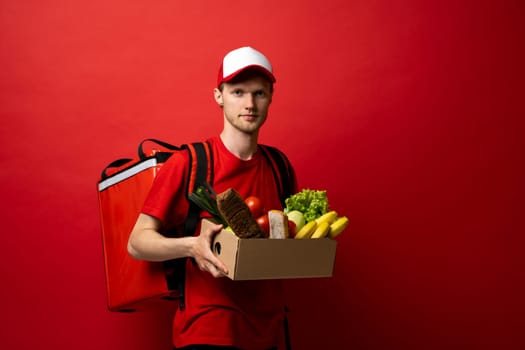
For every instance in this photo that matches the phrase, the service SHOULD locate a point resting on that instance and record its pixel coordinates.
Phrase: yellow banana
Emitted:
(338, 226)
(322, 230)
(328, 217)
(307, 230)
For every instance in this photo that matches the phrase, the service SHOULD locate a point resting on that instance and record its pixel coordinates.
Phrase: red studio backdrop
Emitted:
(409, 113)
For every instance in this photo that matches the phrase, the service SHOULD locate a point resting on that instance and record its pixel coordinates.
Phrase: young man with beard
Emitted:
(219, 313)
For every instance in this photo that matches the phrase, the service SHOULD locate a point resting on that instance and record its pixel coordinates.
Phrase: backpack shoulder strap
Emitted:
(200, 171)
(282, 171)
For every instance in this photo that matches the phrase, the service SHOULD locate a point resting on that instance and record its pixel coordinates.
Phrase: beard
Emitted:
(246, 126)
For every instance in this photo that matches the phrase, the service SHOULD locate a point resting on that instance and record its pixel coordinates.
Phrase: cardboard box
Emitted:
(263, 258)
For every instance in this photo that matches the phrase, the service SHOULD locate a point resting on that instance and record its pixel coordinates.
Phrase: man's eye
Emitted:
(260, 93)
(237, 92)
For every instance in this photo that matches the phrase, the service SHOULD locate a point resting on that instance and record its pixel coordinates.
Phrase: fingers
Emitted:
(209, 262)
(214, 270)
(204, 256)
(221, 267)
(217, 228)
(213, 230)
(218, 265)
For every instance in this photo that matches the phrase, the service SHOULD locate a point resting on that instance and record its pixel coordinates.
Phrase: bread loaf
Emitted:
(278, 224)
(238, 215)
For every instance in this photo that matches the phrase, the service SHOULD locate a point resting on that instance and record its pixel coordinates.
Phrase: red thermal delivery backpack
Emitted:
(137, 285)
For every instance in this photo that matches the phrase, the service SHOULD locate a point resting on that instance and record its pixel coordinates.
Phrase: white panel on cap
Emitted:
(243, 57)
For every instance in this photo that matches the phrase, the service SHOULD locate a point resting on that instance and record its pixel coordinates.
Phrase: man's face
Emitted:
(245, 104)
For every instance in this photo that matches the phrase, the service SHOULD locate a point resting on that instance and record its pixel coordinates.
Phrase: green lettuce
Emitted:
(312, 203)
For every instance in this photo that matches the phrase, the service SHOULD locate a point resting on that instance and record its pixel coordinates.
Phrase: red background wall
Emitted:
(409, 113)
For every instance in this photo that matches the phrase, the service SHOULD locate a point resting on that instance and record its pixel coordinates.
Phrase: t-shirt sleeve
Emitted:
(166, 200)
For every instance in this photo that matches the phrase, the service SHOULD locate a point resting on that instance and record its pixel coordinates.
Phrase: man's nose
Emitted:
(250, 101)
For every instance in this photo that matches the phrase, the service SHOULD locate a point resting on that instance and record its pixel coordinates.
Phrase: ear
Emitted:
(217, 94)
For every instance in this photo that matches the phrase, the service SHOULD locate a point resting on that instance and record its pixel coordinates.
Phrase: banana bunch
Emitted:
(327, 225)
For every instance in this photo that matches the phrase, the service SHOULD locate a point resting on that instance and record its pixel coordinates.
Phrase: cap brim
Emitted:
(263, 70)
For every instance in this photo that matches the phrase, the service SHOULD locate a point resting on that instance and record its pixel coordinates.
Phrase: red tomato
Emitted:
(291, 229)
(255, 205)
(265, 224)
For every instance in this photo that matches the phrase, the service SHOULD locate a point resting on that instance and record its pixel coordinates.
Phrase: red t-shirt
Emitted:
(219, 311)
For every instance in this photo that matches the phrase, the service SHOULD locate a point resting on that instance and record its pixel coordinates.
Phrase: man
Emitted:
(219, 313)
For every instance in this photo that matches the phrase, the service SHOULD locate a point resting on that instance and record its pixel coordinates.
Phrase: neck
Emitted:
(242, 145)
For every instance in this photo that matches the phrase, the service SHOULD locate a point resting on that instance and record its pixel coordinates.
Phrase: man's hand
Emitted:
(203, 254)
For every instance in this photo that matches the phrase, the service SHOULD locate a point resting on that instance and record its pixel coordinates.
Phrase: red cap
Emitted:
(241, 59)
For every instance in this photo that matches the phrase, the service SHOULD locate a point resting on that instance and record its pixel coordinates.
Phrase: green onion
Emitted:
(205, 198)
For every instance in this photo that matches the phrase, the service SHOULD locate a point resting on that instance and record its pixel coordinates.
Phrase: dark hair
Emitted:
(248, 74)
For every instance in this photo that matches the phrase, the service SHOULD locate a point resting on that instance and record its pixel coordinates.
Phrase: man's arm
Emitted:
(146, 243)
